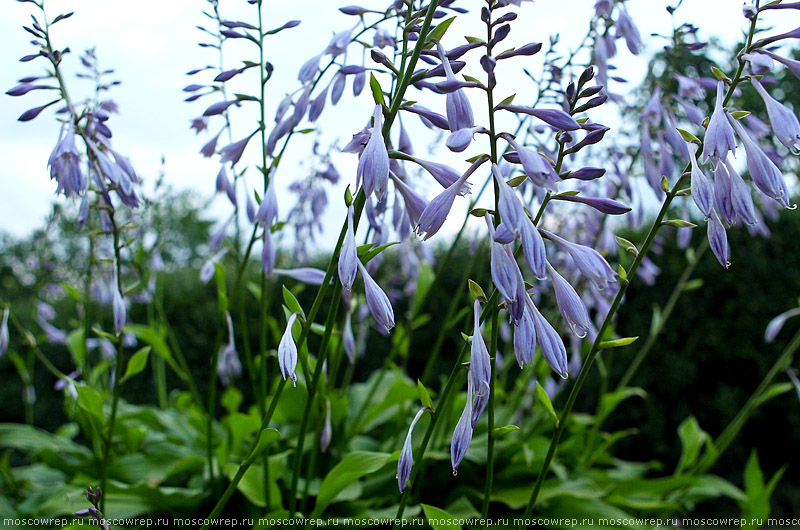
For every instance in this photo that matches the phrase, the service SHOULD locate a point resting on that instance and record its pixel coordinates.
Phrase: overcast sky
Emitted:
(152, 44)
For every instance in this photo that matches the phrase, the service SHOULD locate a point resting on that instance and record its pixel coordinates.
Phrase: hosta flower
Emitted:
(268, 252)
(267, 212)
(627, 29)
(741, 198)
(287, 352)
(228, 365)
(533, 248)
(348, 257)
(119, 310)
(784, 122)
(510, 207)
(406, 461)
(504, 271)
(525, 338)
(765, 174)
(459, 111)
(537, 167)
(462, 435)
(373, 165)
(414, 202)
(723, 200)
(327, 429)
(4, 338)
(480, 365)
(719, 135)
(588, 261)
(570, 304)
(233, 151)
(224, 185)
(776, 324)
(378, 302)
(702, 188)
(348, 338)
(435, 213)
(549, 341)
(718, 239)
(65, 166)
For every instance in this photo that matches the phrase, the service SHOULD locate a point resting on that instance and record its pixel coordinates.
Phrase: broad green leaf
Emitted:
(439, 31)
(136, 363)
(424, 396)
(354, 466)
(611, 400)
(692, 440)
(154, 338)
(548, 405)
(439, 519)
(77, 346)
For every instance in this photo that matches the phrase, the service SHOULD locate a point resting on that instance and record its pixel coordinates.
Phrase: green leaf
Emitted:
(73, 293)
(664, 184)
(474, 39)
(499, 432)
(154, 338)
(264, 440)
(548, 405)
(693, 285)
(439, 31)
(623, 274)
(375, 87)
(516, 181)
(476, 291)
(424, 396)
(774, 390)
(292, 303)
(610, 401)
(222, 291)
(352, 467)
(739, 114)
(439, 519)
(77, 346)
(689, 137)
(617, 343)
(136, 363)
(719, 74)
(627, 245)
(692, 440)
(507, 101)
(366, 253)
(679, 223)
(478, 212)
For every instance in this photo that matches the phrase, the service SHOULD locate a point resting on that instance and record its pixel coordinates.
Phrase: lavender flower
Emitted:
(348, 338)
(702, 188)
(268, 254)
(723, 200)
(537, 167)
(570, 304)
(719, 135)
(406, 461)
(415, 203)
(267, 212)
(436, 212)
(480, 365)
(309, 70)
(741, 198)
(308, 275)
(4, 337)
(444, 174)
(378, 302)
(459, 111)
(718, 239)
(119, 310)
(348, 257)
(765, 174)
(776, 324)
(460, 139)
(228, 365)
(784, 122)
(549, 341)
(373, 165)
(224, 185)
(791, 64)
(505, 272)
(65, 166)
(591, 264)
(525, 338)
(287, 352)
(510, 207)
(327, 429)
(533, 248)
(627, 29)
(233, 152)
(462, 435)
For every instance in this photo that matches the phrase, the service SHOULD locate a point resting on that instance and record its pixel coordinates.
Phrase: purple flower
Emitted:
(268, 254)
(309, 70)
(570, 304)
(307, 275)
(784, 122)
(429, 118)
(718, 239)
(348, 338)
(373, 165)
(337, 89)
(505, 271)
(339, 42)
(702, 188)
(327, 429)
(537, 167)
(533, 248)
(224, 185)
(287, 352)
(406, 461)
(459, 111)
(65, 166)
(741, 198)
(588, 261)
(462, 435)
(267, 212)
(525, 338)
(480, 365)
(444, 175)
(556, 118)
(210, 147)
(723, 201)
(436, 212)
(233, 152)
(776, 324)
(378, 302)
(348, 257)
(4, 337)
(765, 174)
(415, 203)
(510, 207)
(318, 105)
(549, 341)
(719, 135)
(601, 204)
(626, 28)
(228, 365)
(792, 64)
(459, 140)
(119, 310)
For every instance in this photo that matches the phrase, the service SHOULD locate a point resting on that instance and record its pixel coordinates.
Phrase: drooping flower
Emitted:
(525, 338)
(287, 352)
(719, 135)
(765, 174)
(480, 365)
(741, 198)
(119, 310)
(784, 122)
(308, 275)
(504, 271)
(436, 212)
(348, 338)
(702, 188)
(549, 341)
(379, 305)
(228, 364)
(459, 111)
(373, 165)
(65, 166)
(537, 167)
(327, 429)
(718, 239)
(627, 29)
(570, 304)
(267, 212)
(406, 461)
(4, 337)
(588, 261)
(462, 435)
(268, 252)
(533, 248)
(348, 257)
(510, 207)
(776, 324)
(233, 151)
(224, 185)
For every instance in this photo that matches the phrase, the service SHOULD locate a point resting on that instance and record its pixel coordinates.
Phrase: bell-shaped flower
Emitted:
(480, 365)
(4, 337)
(379, 305)
(327, 429)
(225, 186)
(588, 261)
(435, 214)
(414, 202)
(267, 212)
(550, 342)
(719, 135)
(741, 198)
(765, 174)
(723, 200)
(348, 256)
(65, 167)
(510, 207)
(537, 167)
(118, 308)
(718, 239)
(792, 65)
(776, 324)
(233, 152)
(348, 338)
(784, 122)
(533, 248)
(308, 71)
(462, 435)
(627, 29)
(525, 338)
(373, 165)
(702, 188)
(570, 304)
(460, 139)
(318, 105)
(504, 271)
(459, 111)
(268, 252)
(444, 174)
(406, 461)
(287, 352)
(308, 275)
(228, 364)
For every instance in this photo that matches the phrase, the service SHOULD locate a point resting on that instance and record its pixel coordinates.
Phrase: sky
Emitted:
(151, 45)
